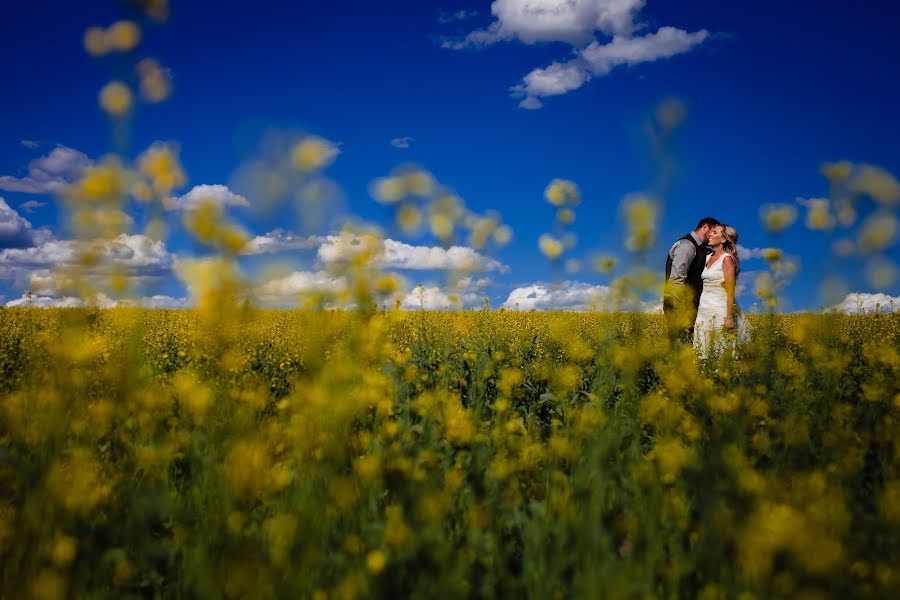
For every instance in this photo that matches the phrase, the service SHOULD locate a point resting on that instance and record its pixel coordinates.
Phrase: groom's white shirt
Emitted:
(682, 253)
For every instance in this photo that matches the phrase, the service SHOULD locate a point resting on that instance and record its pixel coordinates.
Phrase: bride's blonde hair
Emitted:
(730, 244)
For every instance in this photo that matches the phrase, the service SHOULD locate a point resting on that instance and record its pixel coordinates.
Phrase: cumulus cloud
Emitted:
(398, 255)
(48, 173)
(402, 142)
(465, 292)
(144, 260)
(200, 194)
(279, 240)
(101, 300)
(429, 297)
(17, 232)
(597, 60)
(572, 295)
(862, 303)
(570, 21)
(578, 23)
(285, 291)
(50, 301)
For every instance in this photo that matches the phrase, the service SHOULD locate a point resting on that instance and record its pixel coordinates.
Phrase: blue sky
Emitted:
(771, 90)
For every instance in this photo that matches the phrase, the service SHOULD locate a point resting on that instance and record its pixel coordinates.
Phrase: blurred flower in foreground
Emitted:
(155, 84)
(561, 192)
(875, 182)
(604, 264)
(878, 232)
(551, 247)
(882, 272)
(116, 98)
(106, 182)
(778, 217)
(818, 213)
(843, 247)
(671, 114)
(503, 235)
(121, 36)
(640, 216)
(160, 164)
(313, 153)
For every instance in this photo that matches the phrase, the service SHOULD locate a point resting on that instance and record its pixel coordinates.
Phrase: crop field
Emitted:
(344, 454)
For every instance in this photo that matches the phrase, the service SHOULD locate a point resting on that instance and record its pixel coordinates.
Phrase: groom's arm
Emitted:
(682, 254)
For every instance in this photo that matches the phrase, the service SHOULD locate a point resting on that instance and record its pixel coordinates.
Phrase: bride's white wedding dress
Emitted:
(708, 333)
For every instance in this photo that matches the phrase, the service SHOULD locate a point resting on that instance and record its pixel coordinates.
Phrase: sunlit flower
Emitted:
(313, 154)
(551, 247)
(778, 217)
(878, 232)
(640, 213)
(116, 99)
(123, 36)
(561, 192)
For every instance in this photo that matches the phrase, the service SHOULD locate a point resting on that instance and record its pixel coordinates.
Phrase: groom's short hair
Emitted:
(707, 221)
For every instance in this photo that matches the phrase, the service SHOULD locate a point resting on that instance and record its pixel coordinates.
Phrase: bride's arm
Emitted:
(730, 280)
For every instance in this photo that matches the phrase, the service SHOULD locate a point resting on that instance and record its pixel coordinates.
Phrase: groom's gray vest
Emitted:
(695, 269)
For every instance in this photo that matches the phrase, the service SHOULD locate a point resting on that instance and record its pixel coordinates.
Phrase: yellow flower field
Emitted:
(340, 454)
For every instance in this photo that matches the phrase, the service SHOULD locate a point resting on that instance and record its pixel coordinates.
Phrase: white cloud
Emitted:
(862, 302)
(597, 60)
(578, 23)
(101, 300)
(402, 142)
(446, 16)
(398, 255)
(29, 205)
(30, 144)
(16, 231)
(746, 253)
(157, 301)
(429, 298)
(48, 173)
(144, 259)
(279, 240)
(200, 194)
(572, 295)
(46, 301)
(285, 291)
(570, 21)
(569, 295)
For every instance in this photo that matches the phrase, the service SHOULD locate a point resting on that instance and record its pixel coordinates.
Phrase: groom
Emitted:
(681, 295)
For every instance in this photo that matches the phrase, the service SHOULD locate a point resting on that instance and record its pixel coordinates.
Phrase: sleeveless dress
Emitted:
(708, 334)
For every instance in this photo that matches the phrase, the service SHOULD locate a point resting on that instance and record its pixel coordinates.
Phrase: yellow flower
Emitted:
(123, 36)
(565, 216)
(388, 190)
(441, 226)
(818, 214)
(503, 235)
(778, 217)
(551, 247)
(376, 560)
(560, 192)
(155, 83)
(115, 98)
(875, 182)
(409, 218)
(95, 41)
(640, 216)
(313, 154)
(878, 232)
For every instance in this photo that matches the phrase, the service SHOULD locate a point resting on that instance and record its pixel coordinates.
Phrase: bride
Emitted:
(718, 316)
